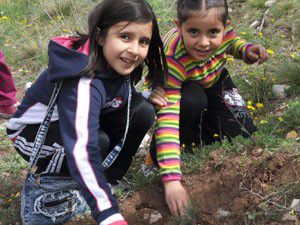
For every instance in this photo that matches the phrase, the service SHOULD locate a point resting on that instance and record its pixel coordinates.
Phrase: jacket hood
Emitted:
(64, 62)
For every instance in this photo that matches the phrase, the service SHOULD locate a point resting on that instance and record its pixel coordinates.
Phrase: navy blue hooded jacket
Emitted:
(80, 104)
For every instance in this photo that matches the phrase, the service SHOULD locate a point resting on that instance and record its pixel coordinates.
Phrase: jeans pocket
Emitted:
(41, 206)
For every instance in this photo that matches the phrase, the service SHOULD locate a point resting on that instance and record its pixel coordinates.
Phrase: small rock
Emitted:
(292, 135)
(223, 214)
(146, 216)
(155, 217)
(269, 4)
(257, 151)
(254, 24)
(288, 217)
(295, 205)
(279, 90)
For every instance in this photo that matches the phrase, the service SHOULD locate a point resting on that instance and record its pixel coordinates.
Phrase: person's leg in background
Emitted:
(142, 116)
(7, 90)
(227, 114)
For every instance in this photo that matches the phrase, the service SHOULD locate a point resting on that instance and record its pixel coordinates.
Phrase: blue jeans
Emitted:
(52, 200)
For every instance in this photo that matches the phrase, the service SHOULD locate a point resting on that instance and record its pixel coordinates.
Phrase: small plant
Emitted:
(192, 217)
(256, 3)
(289, 71)
(291, 117)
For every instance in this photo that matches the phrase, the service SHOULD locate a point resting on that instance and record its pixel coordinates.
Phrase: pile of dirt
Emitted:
(227, 190)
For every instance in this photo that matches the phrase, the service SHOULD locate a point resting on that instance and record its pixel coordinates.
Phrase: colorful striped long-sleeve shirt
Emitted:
(182, 68)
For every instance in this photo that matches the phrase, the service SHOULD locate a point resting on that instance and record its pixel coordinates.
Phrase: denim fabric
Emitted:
(54, 200)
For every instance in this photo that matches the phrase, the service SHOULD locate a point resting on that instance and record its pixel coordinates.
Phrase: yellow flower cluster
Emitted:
(257, 105)
(263, 122)
(3, 18)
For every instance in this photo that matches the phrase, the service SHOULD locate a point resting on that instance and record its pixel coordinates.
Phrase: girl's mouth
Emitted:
(128, 61)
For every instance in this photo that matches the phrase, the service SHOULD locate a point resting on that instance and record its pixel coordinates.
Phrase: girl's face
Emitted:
(126, 45)
(202, 34)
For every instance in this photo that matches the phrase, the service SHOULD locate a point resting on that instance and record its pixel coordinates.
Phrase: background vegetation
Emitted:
(27, 25)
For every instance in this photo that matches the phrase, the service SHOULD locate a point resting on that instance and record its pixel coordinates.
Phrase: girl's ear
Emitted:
(178, 25)
(100, 39)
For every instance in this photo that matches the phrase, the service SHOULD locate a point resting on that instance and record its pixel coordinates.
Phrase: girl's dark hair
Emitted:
(186, 7)
(110, 12)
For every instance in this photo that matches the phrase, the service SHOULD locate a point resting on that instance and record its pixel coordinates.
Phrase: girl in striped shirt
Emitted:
(203, 102)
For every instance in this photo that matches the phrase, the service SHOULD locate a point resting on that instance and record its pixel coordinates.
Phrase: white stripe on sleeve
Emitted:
(80, 151)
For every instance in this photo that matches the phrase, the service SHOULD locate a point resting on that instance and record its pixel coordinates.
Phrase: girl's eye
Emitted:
(145, 41)
(214, 32)
(125, 37)
(193, 32)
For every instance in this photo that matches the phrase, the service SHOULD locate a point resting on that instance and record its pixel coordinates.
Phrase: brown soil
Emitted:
(240, 184)
(237, 184)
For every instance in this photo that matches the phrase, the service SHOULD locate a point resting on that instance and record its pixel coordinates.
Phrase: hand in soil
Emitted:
(176, 198)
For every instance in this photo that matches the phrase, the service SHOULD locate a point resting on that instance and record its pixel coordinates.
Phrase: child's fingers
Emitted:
(157, 99)
(263, 54)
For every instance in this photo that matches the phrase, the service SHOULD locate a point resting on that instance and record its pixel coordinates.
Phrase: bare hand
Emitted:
(176, 198)
(158, 97)
(257, 53)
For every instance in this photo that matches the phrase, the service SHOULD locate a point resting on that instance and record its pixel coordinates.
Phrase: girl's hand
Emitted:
(176, 198)
(158, 98)
(257, 53)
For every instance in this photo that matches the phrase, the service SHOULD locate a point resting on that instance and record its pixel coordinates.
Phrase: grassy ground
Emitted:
(27, 25)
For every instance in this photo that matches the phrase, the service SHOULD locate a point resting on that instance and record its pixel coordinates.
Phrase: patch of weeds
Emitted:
(289, 71)
(256, 85)
(55, 9)
(256, 3)
(283, 8)
(192, 217)
(291, 117)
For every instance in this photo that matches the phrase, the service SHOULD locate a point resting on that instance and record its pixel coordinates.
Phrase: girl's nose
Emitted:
(133, 48)
(203, 41)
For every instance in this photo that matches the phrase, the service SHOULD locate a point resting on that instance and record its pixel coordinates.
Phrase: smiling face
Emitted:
(202, 33)
(126, 45)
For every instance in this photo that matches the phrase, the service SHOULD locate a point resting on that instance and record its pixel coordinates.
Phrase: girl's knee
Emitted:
(143, 113)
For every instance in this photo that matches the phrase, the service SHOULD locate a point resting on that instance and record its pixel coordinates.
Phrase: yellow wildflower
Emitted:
(283, 35)
(259, 105)
(273, 20)
(65, 30)
(280, 119)
(183, 145)
(255, 118)
(249, 103)
(263, 78)
(250, 107)
(4, 18)
(216, 135)
(244, 33)
(158, 19)
(293, 55)
(260, 34)
(263, 122)
(270, 51)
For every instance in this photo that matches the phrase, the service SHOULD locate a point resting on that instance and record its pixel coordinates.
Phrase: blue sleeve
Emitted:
(79, 105)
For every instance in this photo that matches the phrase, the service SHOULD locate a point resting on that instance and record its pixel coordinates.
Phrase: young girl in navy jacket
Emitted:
(90, 118)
